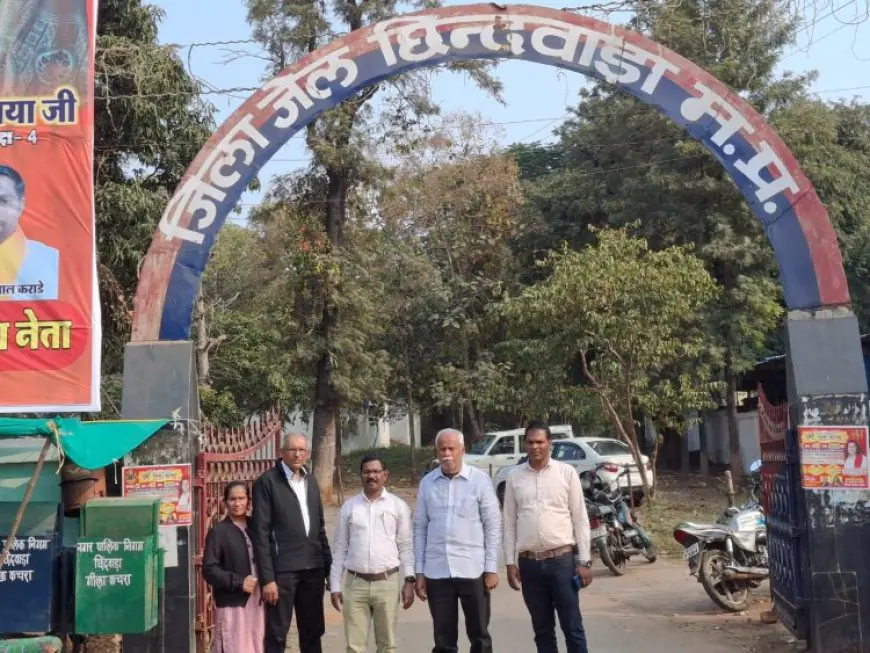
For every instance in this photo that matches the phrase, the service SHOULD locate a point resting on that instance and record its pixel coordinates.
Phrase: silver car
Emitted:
(585, 454)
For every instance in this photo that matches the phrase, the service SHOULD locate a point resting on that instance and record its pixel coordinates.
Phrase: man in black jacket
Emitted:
(291, 549)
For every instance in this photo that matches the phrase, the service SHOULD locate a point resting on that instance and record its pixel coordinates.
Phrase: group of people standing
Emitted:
(447, 554)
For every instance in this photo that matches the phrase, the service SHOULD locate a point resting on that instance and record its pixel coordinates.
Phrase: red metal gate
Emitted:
(227, 455)
(772, 426)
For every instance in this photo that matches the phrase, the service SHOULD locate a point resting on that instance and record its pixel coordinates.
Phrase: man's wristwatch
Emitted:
(582, 563)
(410, 579)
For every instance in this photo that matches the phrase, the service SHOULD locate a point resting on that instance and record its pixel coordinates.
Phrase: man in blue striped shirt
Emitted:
(457, 535)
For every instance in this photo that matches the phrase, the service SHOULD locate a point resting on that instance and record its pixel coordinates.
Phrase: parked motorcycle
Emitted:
(730, 556)
(616, 534)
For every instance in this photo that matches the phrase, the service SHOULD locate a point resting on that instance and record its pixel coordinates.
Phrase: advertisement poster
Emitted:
(49, 306)
(834, 457)
(169, 482)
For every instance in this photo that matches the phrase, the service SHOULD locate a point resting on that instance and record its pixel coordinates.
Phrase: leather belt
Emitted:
(547, 555)
(372, 578)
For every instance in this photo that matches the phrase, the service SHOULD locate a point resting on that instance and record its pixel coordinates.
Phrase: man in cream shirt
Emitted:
(373, 549)
(547, 542)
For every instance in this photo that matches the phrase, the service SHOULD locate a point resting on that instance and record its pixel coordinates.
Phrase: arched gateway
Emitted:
(815, 563)
(761, 165)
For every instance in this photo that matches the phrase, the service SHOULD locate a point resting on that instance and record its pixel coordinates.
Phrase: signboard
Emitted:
(26, 584)
(49, 300)
(834, 457)
(169, 482)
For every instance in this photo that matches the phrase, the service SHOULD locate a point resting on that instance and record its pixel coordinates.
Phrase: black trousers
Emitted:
(548, 588)
(302, 590)
(445, 596)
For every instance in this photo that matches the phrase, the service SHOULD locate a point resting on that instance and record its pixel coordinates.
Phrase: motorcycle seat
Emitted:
(701, 529)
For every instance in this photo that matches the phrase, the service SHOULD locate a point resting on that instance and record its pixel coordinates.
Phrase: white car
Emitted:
(498, 449)
(585, 454)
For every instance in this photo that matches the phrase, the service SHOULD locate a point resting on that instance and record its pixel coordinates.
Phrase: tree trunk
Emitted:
(733, 426)
(702, 437)
(654, 455)
(634, 444)
(203, 368)
(458, 411)
(625, 429)
(685, 460)
(327, 402)
(475, 432)
(636, 454)
(411, 438)
(410, 390)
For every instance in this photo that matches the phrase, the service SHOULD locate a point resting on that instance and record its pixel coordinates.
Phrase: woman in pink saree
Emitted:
(228, 566)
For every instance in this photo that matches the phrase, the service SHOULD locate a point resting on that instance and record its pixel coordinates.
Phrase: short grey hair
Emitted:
(455, 432)
(295, 435)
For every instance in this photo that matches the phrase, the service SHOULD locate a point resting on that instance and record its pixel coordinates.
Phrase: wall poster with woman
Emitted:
(834, 456)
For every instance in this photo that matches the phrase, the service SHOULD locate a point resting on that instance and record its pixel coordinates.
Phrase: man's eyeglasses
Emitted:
(299, 451)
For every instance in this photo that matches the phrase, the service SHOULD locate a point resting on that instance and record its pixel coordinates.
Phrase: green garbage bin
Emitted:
(118, 567)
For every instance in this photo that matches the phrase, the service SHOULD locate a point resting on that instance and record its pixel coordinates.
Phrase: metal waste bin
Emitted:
(29, 580)
(118, 567)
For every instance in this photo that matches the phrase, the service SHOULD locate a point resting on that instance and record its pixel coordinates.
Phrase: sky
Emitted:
(834, 41)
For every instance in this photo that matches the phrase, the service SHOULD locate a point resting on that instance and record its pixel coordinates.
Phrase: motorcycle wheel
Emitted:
(605, 551)
(731, 596)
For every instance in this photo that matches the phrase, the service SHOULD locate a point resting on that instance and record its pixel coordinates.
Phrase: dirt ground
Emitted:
(679, 498)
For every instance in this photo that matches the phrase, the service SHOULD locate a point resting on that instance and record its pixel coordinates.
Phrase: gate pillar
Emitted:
(160, 382)
(827, 386)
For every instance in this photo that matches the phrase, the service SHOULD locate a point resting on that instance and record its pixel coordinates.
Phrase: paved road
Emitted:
(652, 609)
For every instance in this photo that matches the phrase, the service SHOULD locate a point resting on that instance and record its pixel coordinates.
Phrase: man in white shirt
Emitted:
(547, 542)
(373, 549)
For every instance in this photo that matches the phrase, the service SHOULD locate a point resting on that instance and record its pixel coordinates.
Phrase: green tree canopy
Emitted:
(631, 319)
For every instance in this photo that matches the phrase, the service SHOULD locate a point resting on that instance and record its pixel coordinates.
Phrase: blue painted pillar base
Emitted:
(827, 386)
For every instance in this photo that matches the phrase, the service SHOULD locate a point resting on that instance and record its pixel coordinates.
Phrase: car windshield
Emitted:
(609, 447)
(479, 448)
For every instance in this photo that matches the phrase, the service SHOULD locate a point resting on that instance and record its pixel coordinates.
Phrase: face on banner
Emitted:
(49, 312)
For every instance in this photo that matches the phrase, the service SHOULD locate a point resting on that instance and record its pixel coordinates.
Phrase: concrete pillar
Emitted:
(160, 382)
(827, 386)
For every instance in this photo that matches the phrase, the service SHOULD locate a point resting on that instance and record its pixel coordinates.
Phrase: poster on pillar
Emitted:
(49, 301)
(834, 457)
(171, 483)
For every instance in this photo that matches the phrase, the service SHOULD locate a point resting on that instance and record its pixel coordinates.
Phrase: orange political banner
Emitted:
(49, 301)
